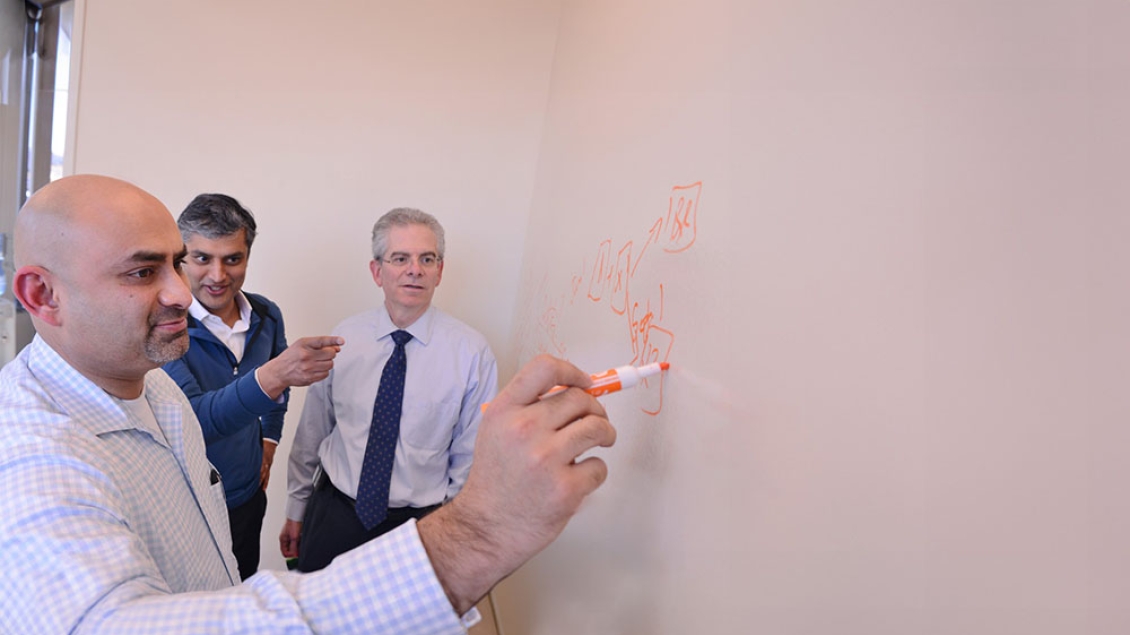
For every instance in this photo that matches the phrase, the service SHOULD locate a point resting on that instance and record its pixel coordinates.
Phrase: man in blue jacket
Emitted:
(238, 369)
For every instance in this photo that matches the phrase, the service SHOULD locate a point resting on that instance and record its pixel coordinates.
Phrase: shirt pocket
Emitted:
(427, 425)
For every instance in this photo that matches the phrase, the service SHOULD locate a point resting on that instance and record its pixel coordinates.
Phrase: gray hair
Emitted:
(400, 217)
(216, 216)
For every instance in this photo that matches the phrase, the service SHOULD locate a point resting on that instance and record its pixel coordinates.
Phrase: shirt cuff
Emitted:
(295, 509)
(260, 384)
(471, 618)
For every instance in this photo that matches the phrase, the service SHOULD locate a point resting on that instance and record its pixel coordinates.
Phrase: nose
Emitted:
(216, 271)
(175, 292)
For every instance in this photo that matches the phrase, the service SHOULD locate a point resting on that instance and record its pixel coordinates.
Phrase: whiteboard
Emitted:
(882, 244)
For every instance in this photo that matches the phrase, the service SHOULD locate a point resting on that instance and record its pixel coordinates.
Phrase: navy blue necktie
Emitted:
(376, 469)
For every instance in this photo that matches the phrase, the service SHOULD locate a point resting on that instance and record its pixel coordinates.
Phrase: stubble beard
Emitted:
(161, 349)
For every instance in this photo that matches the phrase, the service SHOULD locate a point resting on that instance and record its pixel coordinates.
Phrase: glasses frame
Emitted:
(409, 258)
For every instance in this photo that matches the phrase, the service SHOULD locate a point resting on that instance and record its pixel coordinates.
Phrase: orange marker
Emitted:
(614, 379)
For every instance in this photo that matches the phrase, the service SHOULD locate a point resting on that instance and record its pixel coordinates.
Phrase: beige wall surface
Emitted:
(883, 245)
(319, 117)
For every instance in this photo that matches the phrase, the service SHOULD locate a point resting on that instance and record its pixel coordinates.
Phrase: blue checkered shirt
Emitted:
(108, 527)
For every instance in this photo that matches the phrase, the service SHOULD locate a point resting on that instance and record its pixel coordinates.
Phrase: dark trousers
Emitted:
(246, 525)
(330, 526)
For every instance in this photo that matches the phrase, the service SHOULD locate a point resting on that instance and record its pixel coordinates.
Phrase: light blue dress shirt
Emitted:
(107, 527)
(451, 374)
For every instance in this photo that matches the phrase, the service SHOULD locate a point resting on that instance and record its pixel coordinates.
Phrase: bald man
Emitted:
(112, 519)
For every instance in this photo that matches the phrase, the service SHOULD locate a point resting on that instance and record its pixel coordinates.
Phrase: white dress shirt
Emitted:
(234, 336)
(451, 374)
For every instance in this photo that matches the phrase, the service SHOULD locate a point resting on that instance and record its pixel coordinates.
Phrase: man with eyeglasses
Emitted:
(351, 478)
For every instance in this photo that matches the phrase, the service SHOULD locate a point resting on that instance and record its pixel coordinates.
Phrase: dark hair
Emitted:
(215, 216)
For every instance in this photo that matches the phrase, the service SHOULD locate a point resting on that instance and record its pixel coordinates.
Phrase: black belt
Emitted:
(323, 482)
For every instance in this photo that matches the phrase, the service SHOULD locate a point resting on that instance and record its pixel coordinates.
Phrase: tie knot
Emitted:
(401, 337)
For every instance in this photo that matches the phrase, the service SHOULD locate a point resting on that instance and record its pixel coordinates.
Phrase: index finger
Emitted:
(538, 377)
(322, 341)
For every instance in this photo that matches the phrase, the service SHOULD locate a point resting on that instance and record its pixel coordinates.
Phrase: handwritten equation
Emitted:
(608, 282)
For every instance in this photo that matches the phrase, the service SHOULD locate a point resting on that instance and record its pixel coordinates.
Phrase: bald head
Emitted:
(99, 271)
(64, 212)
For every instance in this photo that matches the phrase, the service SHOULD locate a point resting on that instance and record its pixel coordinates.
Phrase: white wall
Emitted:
(319, 117)
(895, 341)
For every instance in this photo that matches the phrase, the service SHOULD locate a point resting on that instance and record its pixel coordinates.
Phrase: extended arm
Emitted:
(80, 568)
(524, 485)
(224, 410)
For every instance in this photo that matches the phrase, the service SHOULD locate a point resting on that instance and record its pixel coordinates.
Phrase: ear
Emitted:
(35, 289)
(375, 268)
(439, 273)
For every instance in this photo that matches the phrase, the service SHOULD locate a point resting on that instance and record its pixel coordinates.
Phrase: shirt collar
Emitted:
(80, 398)
(198, 311)
(421, 329)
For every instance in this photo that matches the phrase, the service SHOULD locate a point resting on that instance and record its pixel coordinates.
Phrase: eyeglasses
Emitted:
(399, 261)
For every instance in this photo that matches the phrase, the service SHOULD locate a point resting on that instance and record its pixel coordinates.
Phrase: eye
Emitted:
(142, 273)
(399, 260)
(427, 260)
